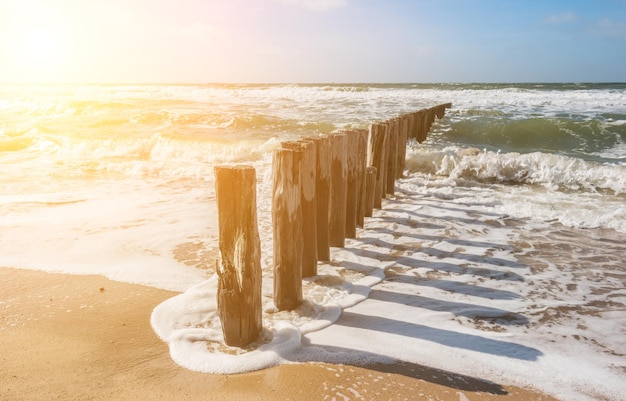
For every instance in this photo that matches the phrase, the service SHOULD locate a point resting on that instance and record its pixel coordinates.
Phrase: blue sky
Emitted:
(313, 41)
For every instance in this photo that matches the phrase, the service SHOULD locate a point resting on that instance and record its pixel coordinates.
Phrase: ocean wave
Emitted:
(344, 88)
(555, 172)
(617, 153)
(156, 155)
(27, 143)
(575, 135)
(535, 186)
(15, 144)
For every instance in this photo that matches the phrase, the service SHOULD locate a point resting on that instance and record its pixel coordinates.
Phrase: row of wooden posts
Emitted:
(323, 188)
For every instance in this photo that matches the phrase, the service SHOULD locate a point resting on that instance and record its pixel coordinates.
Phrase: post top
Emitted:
(233, 167)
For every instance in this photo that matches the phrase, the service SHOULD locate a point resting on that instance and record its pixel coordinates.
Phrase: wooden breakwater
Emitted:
(323, 188)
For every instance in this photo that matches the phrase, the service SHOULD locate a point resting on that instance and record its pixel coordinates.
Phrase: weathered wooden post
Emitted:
(309, 207)
(392, 156)
(287, 227)
(361, 169)
(370, 187)
(419, 126)
(412, 125)
(338, 190)
(352, 177)
(439, 110)
(322, 195)
(376, 152)
(239, 282)
(429, 117)
(402, 142)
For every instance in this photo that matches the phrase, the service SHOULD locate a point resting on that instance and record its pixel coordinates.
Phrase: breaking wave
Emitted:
(555, 172)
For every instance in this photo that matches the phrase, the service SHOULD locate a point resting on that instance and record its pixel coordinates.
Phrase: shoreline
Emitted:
(77, 337)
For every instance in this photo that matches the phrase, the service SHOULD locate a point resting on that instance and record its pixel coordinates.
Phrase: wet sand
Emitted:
(73, 337)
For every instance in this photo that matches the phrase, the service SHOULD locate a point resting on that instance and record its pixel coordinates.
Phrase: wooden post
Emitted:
(351, 182)
(412, 125)
(361, 169)
(439, 110)
(239, 282)
(418, 123)
(429, 117)
(392, 156)
(402, 142)
(309, 207)
(376, 152)
(370, 186)
(287, 228)
(338, 190)
(382, 175)
(322, 195)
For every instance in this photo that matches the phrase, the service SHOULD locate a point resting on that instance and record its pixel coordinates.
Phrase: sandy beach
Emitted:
(73, 337)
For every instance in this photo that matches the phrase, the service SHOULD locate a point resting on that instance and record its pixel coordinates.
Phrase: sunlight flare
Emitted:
(36, 44)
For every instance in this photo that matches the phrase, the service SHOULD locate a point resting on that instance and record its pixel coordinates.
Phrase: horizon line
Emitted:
(315, 83)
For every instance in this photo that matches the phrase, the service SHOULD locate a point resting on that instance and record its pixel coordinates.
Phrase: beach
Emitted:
(498, 260)
(73, 337)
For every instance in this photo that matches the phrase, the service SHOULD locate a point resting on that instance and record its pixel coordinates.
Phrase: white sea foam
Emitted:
(127, 236)
(458, 295)
(617, 152)
(564, 189)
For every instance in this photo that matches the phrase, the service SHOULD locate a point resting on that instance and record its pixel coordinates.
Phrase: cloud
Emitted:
(316, 5)
(561, 18)
(606, 27)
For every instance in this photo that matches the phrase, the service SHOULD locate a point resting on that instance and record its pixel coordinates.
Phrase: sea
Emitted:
(500, 256)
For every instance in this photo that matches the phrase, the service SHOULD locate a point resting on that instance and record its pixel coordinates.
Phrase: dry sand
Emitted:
(72, 337)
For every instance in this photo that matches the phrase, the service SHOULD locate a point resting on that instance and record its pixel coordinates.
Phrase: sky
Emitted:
(312, 41)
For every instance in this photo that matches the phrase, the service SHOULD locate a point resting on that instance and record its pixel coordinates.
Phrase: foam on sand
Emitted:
(457, 288)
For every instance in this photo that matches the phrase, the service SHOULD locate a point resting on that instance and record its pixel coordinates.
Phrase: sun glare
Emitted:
(36, 45)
